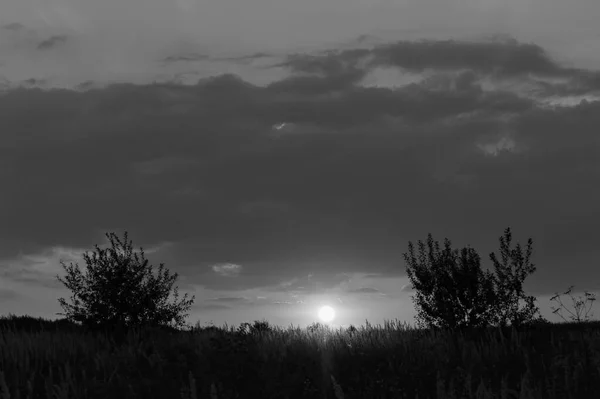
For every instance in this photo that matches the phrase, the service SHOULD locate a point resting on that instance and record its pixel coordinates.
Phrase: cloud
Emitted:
(52, 42)
(407, 288)
(320, 281)
(227, 269)
(13, 26)
(244, 59)
(365, 290)
(211, 306)
(39, 269)
(229, 299)
(295, 302)
(162, 165)
(8, 294)
(224, 303)
(186, 57)
(366, 170)
(503, 57)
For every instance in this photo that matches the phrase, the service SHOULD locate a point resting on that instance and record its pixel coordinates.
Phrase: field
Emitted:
(45, 359)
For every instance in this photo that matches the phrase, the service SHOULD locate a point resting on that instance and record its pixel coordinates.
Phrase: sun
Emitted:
(326, 313)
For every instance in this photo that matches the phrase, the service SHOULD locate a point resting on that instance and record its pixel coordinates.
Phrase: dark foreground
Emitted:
(42, 359)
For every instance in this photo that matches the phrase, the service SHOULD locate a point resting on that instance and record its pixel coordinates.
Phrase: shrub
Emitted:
(119, 291)
(452, 291)
(509, 277)
(258, 327)
(33, 325)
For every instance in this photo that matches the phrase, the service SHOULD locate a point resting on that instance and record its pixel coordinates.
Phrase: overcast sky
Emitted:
(275, 177)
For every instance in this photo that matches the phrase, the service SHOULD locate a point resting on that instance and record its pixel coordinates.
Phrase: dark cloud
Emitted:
(364, 290)
(186, 57)
(52, 42)
(28, 274)
(7, 294)
(210, 306)
(14, 26)
(327, 64)
(315, 85)
(365, 170)
(503, 57)
(245, 58)
(33, 82)
(494, 58)
(40, 281)
(229, 299)
(577, 83)
(225, 303)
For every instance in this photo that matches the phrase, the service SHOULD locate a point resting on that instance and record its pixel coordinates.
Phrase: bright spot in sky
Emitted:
(326, 313)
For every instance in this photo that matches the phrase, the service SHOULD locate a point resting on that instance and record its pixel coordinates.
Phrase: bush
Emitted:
(119, 291)
(28, 324)
(452, 291)
(258, 327)
(510, 274)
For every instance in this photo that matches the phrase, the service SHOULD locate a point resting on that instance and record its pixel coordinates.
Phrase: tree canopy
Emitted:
(120, 289)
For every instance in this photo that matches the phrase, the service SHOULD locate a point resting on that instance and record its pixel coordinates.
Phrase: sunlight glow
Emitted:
(326, 314)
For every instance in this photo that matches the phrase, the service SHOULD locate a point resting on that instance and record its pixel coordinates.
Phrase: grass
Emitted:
(48, 359)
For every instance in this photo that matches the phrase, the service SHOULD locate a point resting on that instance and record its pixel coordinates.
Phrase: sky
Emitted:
(279, 155)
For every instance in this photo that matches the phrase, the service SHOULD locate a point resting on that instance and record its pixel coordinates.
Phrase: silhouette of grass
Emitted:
(43, 359)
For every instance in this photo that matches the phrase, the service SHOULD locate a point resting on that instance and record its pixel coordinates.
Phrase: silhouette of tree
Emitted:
(119, 290)
(509, 277)
(452, 291)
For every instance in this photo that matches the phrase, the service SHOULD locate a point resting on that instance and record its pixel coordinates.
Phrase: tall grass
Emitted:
(389, 361)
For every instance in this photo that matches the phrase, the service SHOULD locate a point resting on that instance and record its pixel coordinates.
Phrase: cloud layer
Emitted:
(297, 189)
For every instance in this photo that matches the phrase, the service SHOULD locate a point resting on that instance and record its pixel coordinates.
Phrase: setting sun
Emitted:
(326, 314)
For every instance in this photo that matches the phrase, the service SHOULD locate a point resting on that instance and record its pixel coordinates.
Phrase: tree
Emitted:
(119, 289)
(452, 291)
(509, 277)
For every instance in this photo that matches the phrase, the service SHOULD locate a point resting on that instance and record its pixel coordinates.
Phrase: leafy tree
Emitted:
(452, 291)
(120, 290)
(509, 277)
